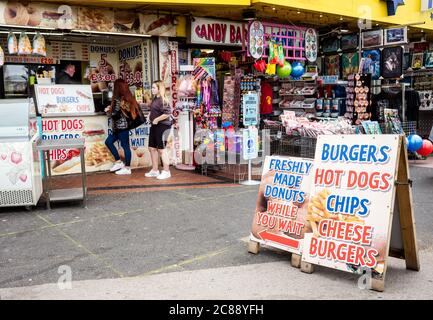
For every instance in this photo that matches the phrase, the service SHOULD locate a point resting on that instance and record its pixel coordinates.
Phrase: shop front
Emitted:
(120, 47)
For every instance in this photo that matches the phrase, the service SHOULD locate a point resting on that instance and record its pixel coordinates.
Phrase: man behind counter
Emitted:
(66, 75)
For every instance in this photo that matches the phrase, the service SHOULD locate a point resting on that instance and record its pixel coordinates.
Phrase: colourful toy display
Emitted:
(426, 148)
(284, 72)
(414, 142)
(297, 70)
(281, 58)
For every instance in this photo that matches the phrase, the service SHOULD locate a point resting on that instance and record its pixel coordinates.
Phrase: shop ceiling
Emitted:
(325, 15)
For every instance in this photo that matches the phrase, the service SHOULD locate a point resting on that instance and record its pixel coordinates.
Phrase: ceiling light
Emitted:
(273, 8)
(321, 15)
(207, 50)
(344, 30)
(422, 30)
(298, 12)
(341, 18)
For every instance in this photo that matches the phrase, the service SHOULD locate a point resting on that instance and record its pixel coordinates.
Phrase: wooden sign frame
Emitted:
(401, 240)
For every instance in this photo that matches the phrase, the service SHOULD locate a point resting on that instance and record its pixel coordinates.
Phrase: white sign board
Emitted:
(351, 202)
(281, 207)
(67, 98)
(250, 139)
(250, 104)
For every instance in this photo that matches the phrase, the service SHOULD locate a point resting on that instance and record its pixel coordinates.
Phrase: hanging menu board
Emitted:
(69, 51)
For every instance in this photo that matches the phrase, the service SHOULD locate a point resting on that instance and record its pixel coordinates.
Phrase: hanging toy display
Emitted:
(12, 43)
(285, 70)
(297, 70)
(2, 57)
(24, 45)
(260, 66)
(271, 67)
(39, 47)
(280, 55)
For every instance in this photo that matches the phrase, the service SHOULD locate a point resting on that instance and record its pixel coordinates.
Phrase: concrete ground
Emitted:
(180, 244)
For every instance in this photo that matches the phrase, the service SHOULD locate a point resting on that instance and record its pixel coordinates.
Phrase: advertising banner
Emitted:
(351, 204)
(103, 66)
(37, 14)
(157, 25)
(131, 64)
(94, 129)
(64, 99)
(147, 70)
(281, 207)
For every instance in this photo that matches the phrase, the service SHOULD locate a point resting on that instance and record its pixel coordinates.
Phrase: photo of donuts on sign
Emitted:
(37, 14)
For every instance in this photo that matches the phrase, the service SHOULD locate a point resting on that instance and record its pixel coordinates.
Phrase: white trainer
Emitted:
(152, 174)
(164, 175)
(123, 171)
(117, 166)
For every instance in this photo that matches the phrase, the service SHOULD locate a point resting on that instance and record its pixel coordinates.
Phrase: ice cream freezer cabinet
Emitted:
(20, 172)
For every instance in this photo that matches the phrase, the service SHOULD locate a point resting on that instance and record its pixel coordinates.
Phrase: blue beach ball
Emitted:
(297, 70)
(414, 142)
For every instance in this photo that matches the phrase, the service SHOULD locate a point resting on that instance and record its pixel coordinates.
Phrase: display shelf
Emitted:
(297, 95)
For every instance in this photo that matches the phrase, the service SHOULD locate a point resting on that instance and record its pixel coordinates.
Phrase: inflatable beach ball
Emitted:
(414, 142)
(285, 70)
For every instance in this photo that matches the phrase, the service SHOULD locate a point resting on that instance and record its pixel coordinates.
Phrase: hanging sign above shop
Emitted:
(216, 32)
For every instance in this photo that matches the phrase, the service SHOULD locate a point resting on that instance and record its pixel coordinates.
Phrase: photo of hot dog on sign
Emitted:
(351, 203)
(281, 207)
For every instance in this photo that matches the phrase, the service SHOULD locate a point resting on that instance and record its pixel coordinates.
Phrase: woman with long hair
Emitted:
(123, 110)
(160, 118)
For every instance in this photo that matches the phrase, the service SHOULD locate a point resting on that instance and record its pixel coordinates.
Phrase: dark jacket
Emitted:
(64, 78)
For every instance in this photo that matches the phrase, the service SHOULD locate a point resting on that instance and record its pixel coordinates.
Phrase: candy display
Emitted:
(12, 43)
(301, 126)
(2, 57)
(39, 47)
(24, 45)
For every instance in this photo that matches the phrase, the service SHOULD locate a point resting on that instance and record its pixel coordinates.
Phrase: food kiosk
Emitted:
(20, 169)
